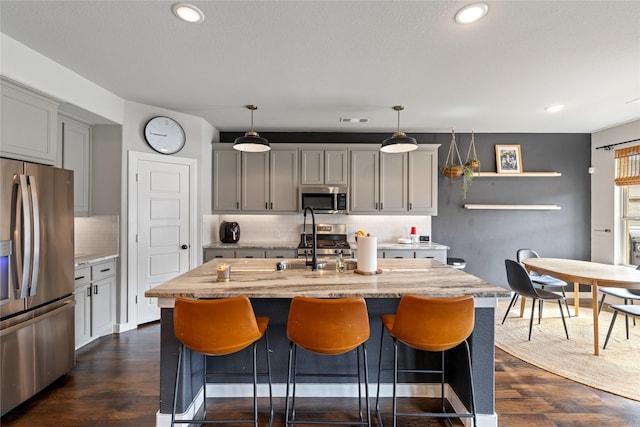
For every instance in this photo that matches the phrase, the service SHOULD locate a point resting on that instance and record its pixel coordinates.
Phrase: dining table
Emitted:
(588, 273)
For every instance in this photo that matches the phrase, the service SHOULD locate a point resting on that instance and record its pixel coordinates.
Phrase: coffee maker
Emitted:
(229, 232)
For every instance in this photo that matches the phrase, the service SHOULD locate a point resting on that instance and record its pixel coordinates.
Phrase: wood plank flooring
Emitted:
(116, 383)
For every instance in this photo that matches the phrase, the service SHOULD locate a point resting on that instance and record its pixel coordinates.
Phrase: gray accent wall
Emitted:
(485, 238)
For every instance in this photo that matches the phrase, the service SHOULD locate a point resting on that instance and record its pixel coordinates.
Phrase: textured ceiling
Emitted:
(308, 63)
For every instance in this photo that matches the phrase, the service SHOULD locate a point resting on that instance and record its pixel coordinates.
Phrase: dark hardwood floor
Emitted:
(115, 383)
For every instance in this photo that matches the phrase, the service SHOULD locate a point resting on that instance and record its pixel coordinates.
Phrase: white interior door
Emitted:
(163, 228)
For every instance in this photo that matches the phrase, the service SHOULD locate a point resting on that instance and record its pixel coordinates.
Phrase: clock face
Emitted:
(164, 135)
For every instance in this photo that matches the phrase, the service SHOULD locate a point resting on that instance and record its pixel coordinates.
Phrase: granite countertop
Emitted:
(395, 245)
(257, 278)
(253, 245)
(84, 259)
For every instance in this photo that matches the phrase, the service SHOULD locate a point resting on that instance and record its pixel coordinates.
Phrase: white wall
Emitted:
(606, 247)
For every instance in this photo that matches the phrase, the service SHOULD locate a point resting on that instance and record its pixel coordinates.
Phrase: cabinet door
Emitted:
(255, 182)
(393, 183)
(398, 253)
(28, 125)
(437, 254)
(284, 181)
(312, 167)
(364, 181)
(336, 167)
(75, 138)
(102, 306)
(82, 315)
(423, 187)
(226, 180)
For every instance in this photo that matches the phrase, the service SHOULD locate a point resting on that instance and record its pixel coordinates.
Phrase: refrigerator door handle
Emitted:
(35, 223)
(21, 234)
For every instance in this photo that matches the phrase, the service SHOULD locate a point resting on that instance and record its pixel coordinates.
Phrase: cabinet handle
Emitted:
(248, 256)
(89, 291)
(237, 205)
(381, 206)
(271, 205)
(410, 206)
(95, 289)
(218, 256)
(266, 205)
(79, 277)
(279, 256)
(399, 257)
(376, 205)
(105, 270)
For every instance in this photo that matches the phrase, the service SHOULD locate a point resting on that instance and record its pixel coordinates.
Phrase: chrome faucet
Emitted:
(314, 239)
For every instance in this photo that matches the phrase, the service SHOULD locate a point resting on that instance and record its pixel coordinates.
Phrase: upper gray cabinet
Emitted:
(28, 125)
(394, 183)
(328, 167)
(255, 182)
(75, 143)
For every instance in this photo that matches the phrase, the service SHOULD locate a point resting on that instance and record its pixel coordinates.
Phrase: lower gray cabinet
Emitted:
(210, 254)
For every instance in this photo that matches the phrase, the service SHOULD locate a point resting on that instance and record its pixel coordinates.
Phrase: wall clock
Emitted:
(164, 135)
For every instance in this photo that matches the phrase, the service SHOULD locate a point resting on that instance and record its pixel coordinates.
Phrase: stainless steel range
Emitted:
(332, 239)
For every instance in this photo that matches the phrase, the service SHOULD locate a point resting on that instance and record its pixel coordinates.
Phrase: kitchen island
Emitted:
(270, 292)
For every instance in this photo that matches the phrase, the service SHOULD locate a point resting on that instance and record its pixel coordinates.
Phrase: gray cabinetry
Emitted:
(255, 182)
(95, 287)
(213, 253)
(394, 183)
(28, 125)
(329, 167)
(437, 254)
(422, 182)
(226, 179)
(209, 254)
(75, 141)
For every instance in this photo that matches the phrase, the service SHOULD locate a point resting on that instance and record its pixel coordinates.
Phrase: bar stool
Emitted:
(220, 327)
(431, 325)
(328, 327)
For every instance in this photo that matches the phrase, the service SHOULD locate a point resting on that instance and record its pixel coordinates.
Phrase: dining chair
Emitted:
(627, 310)
(628, 295)
(219, 327)
(520, 283)
(543, 281)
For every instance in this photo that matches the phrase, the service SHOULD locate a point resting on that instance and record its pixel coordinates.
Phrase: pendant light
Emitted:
(399, 141)
(251, 141)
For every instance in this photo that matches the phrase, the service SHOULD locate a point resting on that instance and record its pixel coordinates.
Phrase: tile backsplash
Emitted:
(270, 228)
(96, 235)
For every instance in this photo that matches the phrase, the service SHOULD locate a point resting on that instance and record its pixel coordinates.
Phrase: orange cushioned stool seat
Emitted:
(218, 327)
(432, 325)
(328, 327)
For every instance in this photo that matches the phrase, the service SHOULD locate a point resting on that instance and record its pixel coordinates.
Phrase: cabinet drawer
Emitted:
(250, 253)
(102, 270)
(437, 254)
(281, 253)
(209, 254)
(398, 253)
(81, 276)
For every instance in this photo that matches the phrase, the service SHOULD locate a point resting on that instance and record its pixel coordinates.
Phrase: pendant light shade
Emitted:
(251, 141)
(399, 142)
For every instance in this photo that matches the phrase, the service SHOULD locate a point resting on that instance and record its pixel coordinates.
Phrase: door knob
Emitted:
(185, 246)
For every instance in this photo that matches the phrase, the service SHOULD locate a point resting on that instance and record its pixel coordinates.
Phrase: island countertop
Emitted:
(258, 278)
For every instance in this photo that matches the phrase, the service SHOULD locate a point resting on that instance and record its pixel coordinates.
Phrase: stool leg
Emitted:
(395, 381)
(533, 310)
(473, 396)
(613, 320)
(204, 386)
(286, 405)
(255, 385)
(626, 320)
(366, 384)
(511, 303)
(442, 402)
(175, 390)
(359, 386)
(378, 415)
(564, 323)
(267, 348)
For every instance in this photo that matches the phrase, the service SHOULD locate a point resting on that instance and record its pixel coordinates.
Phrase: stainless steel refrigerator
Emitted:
(36, 278)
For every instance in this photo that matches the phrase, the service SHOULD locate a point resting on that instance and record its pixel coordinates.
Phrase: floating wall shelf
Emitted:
(516, 175)
(515, 207)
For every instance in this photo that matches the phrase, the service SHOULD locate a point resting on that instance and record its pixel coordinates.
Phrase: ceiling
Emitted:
(305, 64)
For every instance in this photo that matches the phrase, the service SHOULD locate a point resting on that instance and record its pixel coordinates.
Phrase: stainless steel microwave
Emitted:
(324, 198)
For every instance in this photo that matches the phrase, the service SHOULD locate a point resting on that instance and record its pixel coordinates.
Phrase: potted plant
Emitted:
(453, 169)
(470, 166)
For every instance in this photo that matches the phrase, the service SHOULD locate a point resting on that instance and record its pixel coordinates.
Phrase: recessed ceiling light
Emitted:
(471, 13)
(188, 12)
(353, 120)
(554, 108)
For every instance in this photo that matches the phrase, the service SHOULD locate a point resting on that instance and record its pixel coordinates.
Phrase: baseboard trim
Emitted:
(329, 390)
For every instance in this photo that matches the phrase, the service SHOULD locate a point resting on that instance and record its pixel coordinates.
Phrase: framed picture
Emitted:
(508, 159)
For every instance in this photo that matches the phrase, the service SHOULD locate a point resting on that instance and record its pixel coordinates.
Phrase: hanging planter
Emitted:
(472, 163)
(453, 167)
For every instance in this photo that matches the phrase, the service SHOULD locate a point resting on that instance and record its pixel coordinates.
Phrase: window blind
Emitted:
(628, 166)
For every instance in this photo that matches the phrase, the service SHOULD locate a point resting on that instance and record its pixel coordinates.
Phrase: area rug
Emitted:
(616, 370)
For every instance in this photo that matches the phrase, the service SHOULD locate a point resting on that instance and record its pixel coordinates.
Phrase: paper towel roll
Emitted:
(367, 254)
